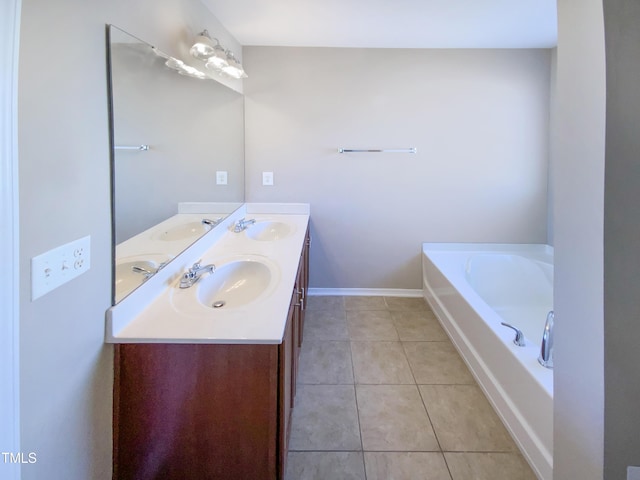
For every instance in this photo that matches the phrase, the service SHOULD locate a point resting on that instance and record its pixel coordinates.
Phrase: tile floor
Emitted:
(383, 394)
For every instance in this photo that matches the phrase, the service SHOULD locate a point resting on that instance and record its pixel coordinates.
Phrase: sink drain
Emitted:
(219, 304)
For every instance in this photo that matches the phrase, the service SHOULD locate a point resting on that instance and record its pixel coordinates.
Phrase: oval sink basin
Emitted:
(234, 284)
(186, 230)
(268, 231)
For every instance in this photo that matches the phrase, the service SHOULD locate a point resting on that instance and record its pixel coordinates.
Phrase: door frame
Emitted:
(9, 237)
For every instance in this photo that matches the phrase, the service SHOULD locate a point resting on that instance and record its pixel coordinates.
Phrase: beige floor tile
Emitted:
(418, 326)
(325, 325)
(488, 466)
(407, 304)
(380, 363)
(371, 325)
(325, 302)
(405, 466)
(437, 363)
(393, 418)
(364, 303)
(325, 418)
(464, 420)
(325, 466)
(325, 362)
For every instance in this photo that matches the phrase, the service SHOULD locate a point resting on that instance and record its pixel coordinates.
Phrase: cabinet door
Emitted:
(285, 391)
(294, 316)
(303, 284)
(193, 412)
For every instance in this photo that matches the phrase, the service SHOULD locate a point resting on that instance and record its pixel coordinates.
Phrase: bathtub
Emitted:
(472, 288)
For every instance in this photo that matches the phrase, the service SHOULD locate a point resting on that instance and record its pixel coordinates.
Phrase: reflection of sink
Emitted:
(186, 230)
(234, 284)
(268, 231)
(126, 280)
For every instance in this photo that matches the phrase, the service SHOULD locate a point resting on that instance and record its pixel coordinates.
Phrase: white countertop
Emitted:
(161, 312)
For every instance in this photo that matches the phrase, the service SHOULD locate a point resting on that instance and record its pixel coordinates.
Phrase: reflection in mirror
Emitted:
(177, 157)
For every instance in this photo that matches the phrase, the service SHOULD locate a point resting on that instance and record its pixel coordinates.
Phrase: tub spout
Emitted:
(519, 338)
(546, 348)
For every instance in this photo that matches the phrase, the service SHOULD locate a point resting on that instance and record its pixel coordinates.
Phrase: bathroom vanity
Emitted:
(203, 391)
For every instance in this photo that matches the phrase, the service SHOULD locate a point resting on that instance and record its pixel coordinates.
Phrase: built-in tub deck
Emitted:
(472, 288)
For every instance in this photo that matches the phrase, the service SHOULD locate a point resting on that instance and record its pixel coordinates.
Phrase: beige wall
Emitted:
(578, 190)
(621, 234)
(479, 119)
(66, 370)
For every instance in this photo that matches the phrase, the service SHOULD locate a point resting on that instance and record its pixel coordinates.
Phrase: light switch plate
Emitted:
(221, 178)
(267, 178)
(55, 267)
(633, 473)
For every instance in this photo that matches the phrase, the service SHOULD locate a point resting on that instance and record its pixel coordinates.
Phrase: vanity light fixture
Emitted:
(216, 57)
(234, 68)
(184, 69)
(203, 47)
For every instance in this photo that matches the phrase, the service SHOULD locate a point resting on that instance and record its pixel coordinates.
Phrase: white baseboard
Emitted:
(366, 292)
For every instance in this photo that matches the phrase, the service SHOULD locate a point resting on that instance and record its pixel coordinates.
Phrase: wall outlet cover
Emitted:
(221, 178)
(59, 265)
(267, 178)
(633, 473)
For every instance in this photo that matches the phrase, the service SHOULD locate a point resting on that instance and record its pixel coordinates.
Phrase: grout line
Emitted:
(355, 393)
(442, 451)
(433, 428)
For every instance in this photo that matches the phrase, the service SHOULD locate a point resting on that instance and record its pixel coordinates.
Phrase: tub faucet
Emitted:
(519, 338)
(242, 224)
(194, 273)
(546, 347)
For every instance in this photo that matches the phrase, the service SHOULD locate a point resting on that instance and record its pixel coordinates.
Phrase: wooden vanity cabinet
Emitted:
(207, 411)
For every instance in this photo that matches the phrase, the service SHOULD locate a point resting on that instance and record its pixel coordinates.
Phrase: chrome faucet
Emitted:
(194, 273)
(546, 347)
(146, 273)
(211, 223)
(519, 338)
(242, 224)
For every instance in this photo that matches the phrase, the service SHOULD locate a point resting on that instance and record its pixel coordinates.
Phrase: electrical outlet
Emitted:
(55, 267)
(221, 178)
(267, 178)
(633, 473)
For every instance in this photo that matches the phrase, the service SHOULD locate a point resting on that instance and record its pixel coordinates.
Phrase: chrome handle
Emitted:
(299, 298)
(546, 346)
(519, 338)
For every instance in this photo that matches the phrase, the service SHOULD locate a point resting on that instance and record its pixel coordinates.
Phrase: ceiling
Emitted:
(390, 23)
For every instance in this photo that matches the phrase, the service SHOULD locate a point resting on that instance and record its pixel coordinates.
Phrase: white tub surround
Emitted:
(161, 312)
(472, 288)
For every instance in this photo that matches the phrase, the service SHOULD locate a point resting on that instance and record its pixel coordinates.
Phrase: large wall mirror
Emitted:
(177, 157)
